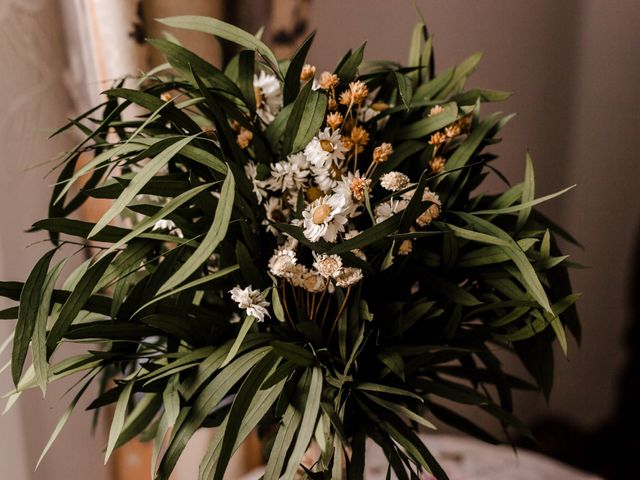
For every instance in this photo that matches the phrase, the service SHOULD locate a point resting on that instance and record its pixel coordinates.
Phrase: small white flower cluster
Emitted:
(251, 300)
(326, 272)
(319, 174)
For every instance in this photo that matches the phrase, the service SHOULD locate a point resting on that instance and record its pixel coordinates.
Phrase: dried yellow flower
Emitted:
(437, 138)
(435, 110)
(334, 120)
(328, 80)
(332, 104)
(382, 153)
(359, 91)
(359, 136)
(465, 123)
(307, 73)
(165, 96)
(347, 142)
(436, 164)
(452, 130)
(405, 247)
(345, 97)
(243, 139)
(359, 186)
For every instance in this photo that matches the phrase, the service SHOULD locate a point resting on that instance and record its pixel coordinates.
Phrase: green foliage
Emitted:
(382, 358)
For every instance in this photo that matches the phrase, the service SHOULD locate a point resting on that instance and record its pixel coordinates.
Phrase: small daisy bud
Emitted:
(307, 73)
(382, 153)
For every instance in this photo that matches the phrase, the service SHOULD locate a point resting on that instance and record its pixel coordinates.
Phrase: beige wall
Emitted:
(34, 102)
(574, 68)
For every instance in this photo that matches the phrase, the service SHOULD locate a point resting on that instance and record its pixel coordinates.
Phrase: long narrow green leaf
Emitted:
(226, 31)
(39, 341)
(528, 193)
(30, 299)
(119, 417)
(76, 301)
(214, 236)
(136, 184)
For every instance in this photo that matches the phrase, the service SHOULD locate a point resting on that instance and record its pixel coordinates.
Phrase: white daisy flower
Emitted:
(282, 262)
(328, 266)
(250, 300)
(276, 212)
(169, 226)
(259, 186)
(389, 208)
(289, 174)
(343, 188)
(394, 181)
(327, 176)
(325, 148)
(268, 96)
(349, 276)
(324, 218)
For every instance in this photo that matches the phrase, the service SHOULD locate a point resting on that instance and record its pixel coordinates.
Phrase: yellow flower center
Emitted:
(326, 145)
(321, 213)
(259, 96)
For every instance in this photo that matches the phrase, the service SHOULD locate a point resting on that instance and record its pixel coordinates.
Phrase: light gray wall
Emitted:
(574, 68)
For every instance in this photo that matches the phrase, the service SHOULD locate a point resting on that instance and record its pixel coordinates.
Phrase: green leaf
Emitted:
(405, 89)
(142, 177)
(374, 387)
(184, 61)
(292, 78)
(194, 283)
(206, 401)
(162, 213)
(460, 73)
(76, 301)
(248, 322)
(118, 418)
(262, 401)
(39, 341)
(529, 277)
(284, 438)
(526, 206)
(528, 193)
(349, 67)
(239, 409)
(214, 236)
(307, 424)
(401, 410)
(306, 118)
(226, 31)
(428, 125)
(30, 299)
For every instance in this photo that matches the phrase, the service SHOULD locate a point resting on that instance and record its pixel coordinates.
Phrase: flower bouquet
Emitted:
(300, 252)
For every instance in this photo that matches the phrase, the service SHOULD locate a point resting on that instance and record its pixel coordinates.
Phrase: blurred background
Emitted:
(574, 67)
